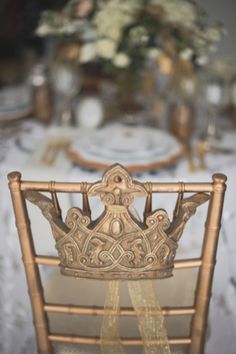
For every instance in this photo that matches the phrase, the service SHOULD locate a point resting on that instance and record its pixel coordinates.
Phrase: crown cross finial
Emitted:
(117, 187)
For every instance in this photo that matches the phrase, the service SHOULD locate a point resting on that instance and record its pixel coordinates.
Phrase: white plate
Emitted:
(15, 102)
(127, 145)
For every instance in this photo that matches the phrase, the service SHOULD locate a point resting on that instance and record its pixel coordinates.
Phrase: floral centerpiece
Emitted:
(123, 36)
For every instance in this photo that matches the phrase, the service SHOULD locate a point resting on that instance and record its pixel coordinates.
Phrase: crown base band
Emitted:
(108, 275)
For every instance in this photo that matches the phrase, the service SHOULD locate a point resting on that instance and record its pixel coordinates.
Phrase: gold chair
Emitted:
(118, 246)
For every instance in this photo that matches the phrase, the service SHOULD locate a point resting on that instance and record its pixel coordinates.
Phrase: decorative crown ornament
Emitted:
(117, 245)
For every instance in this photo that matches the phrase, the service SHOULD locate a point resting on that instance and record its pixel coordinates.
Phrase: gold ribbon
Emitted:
(150, 318)
(149, 314)
(147, 309)
(110, 333)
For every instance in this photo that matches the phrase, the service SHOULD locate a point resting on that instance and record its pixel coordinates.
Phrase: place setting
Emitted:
(138, 148)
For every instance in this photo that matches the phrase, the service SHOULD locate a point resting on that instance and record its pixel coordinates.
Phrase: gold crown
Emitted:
(118, 244)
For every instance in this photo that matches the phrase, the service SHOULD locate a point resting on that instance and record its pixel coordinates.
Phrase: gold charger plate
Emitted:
(15, 118)
(77, 159)
(138, 148)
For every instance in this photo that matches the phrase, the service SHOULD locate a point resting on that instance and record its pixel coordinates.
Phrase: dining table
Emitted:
(43, 153)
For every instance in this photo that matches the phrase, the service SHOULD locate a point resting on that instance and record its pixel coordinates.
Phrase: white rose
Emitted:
(138, 35)
(87, 53)
(199, 42)
(202, 60)
(186, 54)
(113, 16)
(43, 30)
(121, 60)
(69, 28)
(106, 48)
(153, 53)
(213, 34)
(181, 12)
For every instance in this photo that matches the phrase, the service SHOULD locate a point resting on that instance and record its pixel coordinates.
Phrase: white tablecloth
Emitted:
(21, 152)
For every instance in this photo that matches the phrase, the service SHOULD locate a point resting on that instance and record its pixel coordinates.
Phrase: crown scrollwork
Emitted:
(117, 244)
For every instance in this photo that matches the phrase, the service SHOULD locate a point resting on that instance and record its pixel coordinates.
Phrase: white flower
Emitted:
(153, 53)
(139, 35)
(213, 34)
(199, 42)
(202, 60)
(121, 60)
(106, 48)
(179, 12)
(70, 27)
(87, 53)
(43, 30)
(186, 54)
(113, 16)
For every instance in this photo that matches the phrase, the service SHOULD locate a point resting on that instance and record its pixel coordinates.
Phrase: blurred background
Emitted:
(87, 83)
(19, 19)
(184, 68)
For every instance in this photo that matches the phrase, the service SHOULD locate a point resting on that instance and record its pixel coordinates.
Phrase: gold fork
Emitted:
(52, 149)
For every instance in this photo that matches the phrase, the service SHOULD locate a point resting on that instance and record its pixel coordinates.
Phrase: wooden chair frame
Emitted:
(206, 263)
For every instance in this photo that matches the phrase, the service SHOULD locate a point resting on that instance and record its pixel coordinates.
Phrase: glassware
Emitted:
(42, 94)
(66, 82)
(181, 113)
(181, 120)
(181, 124)
(214, 99)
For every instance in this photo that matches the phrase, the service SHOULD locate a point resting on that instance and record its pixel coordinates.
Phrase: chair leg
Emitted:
(205, 277)
(31, 268)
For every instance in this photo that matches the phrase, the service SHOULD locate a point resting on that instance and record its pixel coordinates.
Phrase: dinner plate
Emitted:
(15, 102)
(136, 147)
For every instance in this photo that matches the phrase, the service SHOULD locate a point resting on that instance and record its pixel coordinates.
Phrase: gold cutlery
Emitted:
(202, 149)
(52, 149)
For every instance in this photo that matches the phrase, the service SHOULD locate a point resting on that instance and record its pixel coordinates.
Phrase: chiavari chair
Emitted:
(118, 246)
